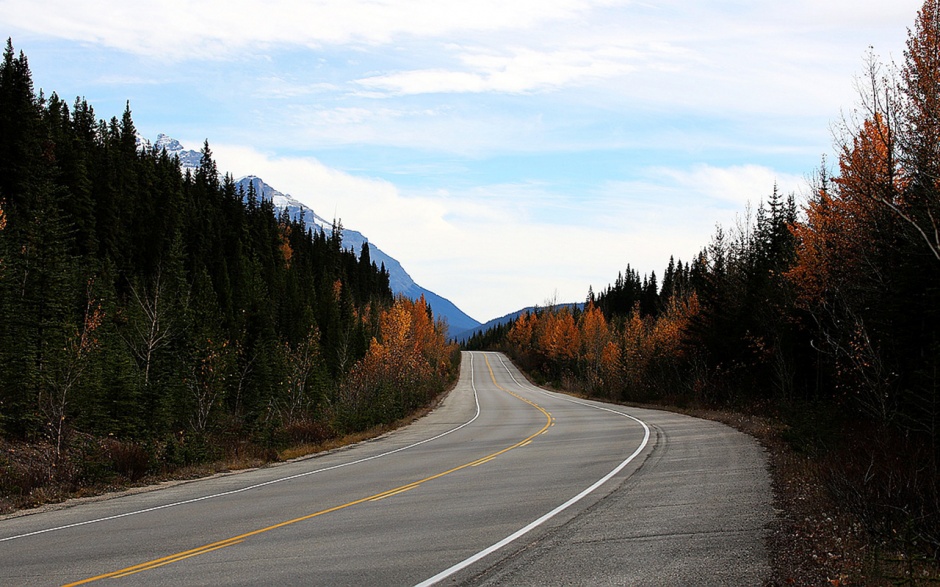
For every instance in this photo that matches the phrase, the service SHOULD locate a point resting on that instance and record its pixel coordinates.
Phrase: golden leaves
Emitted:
(406, 359)
(287, 252)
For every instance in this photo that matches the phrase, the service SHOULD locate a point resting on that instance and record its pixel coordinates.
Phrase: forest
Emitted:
(152, 319)
(824, 315)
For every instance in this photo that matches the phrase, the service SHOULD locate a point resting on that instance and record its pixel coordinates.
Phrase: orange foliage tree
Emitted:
(581, 349)
(284, 234)
(559, 339)
(838, 238)
(594, 335)
(871, 237)
(919, 129)
(406, 364)
(520, 335)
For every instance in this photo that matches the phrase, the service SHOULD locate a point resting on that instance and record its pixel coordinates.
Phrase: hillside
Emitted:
(399, 279)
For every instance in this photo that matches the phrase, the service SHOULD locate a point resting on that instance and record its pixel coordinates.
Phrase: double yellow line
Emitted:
(153, 564)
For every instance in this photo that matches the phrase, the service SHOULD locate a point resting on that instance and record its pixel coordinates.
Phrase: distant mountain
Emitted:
(465, 335)
(399, 280)
(189, 159)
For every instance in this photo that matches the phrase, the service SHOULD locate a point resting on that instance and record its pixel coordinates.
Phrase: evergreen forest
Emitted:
(824, 316)
(153, 319)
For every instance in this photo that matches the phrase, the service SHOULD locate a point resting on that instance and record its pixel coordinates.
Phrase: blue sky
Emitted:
(507, 152)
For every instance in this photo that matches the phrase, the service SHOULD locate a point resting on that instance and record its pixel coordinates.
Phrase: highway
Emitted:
(502, 484)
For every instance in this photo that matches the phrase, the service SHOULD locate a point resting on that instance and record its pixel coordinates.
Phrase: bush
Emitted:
(129, 459)
(306, 431)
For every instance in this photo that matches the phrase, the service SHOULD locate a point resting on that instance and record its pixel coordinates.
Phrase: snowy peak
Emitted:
(188, 159)
(143, 144)
(168, 144)
(399, 279)
(282, 201)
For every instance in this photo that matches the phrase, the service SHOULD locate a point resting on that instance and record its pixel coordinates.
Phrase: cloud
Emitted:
(284, 89)
(738, 184)
(180, 30)
(519, 71)
(463, 129)
(372, 206)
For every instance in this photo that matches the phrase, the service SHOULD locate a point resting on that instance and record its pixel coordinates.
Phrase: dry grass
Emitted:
(308, 449)
(29, 479)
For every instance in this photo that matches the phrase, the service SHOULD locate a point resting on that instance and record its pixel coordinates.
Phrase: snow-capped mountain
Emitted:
(399, 280)
(189, 159)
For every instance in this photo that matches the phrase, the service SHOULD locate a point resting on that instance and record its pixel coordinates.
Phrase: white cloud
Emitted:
(738, 184)
(177, 29)
(278, 87)
(433, 128)
(372, 206)
(519, 71)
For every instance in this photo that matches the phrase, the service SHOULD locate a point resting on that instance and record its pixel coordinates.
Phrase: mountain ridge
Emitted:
(400, 281)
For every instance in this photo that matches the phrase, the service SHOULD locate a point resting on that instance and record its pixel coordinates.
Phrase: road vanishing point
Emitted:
(504, 483)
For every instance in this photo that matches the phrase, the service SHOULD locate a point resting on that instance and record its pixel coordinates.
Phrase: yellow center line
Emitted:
(401, 489)
(391, 493)
(173, 559)
(484, 461)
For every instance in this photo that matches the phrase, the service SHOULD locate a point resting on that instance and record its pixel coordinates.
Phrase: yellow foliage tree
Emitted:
(594, 335)
(520, 335)
(405, 364)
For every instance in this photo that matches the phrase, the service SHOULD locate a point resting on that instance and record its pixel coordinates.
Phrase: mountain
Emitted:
(465, 335)
(401, 283)
(189, 159)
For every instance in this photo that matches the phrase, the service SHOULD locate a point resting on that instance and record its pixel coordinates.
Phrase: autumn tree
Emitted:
(919, 129)
(594, 336)
(558, 340)
(519, 336)
(867, 276)
(404, 366)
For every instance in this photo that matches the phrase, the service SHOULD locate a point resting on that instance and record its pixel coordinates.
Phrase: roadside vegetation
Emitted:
(156, 322)
(815, 327)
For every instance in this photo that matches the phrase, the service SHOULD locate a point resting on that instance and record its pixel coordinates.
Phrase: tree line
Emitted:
(169, 311)
(827, 314)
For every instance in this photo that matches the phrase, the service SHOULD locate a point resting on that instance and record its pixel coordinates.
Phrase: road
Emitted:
(502, 484)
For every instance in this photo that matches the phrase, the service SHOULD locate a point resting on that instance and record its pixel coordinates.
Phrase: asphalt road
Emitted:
(503, 484)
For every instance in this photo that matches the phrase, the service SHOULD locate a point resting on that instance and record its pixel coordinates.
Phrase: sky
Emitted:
(507, 152)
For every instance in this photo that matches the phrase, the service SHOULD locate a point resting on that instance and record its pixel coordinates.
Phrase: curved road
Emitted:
(503, 484)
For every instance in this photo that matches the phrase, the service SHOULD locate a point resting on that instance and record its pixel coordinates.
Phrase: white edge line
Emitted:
(257, 485)
(538, 522)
